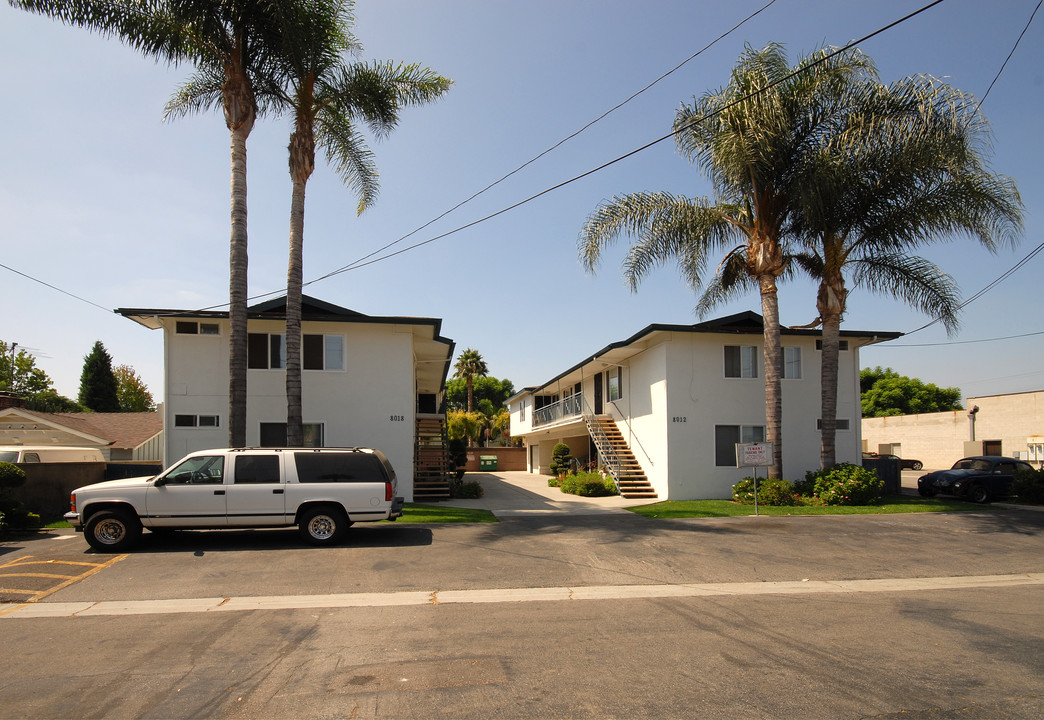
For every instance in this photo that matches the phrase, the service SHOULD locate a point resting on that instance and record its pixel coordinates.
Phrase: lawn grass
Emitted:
(727, 508)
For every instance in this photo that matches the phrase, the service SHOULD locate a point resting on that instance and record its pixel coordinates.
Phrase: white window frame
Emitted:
(181, 327)
(748, 362)
(194, 421)
(328, 349)
(842, 345)
(792, 361)
(747, 434)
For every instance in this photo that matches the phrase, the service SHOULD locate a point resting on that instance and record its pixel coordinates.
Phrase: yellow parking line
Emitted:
(69, 580)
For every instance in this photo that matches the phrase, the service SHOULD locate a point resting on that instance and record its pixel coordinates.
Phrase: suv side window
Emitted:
(338, 467)
(199, 470)
(256, 469)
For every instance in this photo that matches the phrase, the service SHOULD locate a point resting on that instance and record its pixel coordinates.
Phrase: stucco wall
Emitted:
(370, 403)
(940, 439)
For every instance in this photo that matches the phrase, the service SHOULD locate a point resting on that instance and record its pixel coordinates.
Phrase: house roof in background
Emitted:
(118, 430)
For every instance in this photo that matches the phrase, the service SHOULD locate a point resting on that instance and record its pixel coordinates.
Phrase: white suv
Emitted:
(322, 491)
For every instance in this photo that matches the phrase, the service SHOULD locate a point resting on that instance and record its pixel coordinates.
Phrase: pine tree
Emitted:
(98, 382)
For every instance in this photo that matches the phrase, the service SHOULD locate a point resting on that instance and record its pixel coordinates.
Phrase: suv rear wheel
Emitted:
(325, 525)
(112, 531)
(977, 493)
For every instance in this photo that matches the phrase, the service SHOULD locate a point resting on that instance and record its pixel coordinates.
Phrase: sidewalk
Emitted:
(522, 494)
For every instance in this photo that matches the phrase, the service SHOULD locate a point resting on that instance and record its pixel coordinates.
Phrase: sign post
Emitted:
(754, 455)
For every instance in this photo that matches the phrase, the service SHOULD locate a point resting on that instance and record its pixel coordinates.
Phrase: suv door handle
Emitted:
(277, 491)
(219, 492)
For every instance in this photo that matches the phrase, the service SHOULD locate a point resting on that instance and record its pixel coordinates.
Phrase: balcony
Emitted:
(568, 408)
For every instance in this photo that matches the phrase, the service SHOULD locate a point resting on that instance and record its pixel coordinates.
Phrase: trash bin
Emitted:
(487, 462)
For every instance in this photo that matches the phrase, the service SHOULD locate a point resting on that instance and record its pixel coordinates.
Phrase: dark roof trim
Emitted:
(311, 309)
(744, 323)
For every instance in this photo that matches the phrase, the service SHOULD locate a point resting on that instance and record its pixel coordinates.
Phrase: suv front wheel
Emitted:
(324, 525)
(112, 531)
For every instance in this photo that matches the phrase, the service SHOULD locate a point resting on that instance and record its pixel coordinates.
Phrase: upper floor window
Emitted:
(842, 424)
(792, 363)
(741, 361)
(191, 327)
(842, 345)
(318, 352)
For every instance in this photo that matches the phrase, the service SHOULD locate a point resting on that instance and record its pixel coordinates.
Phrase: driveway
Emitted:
(521, 494)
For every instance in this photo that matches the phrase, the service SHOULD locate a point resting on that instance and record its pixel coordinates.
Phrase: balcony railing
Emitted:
(564, 409)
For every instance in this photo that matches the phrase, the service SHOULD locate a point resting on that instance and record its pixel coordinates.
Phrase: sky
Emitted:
(102, 200)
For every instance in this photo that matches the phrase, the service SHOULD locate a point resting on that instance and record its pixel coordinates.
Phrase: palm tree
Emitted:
(470, 365)
(231, 43)
(903, 166)
(329, 99)
(749, 138)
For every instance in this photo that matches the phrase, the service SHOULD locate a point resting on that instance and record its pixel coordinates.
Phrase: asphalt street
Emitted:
(582, 611)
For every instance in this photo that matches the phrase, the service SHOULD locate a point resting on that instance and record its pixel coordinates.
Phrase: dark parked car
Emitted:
(973, 478)
(903, 463)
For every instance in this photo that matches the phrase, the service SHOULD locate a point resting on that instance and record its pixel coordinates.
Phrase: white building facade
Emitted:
(365, 381)
(683, 396)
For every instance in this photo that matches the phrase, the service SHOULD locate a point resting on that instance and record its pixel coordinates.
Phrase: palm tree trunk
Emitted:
(302, 163)
(830, 303)
(773, 373)
(294, 279)
(237, 295)
(828, 411)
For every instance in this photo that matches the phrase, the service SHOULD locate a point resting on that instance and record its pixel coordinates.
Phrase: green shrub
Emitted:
(11, 476)
(771, 491)
(588, 484)
(553, 481)
(560, 459)
(465, 488)
(845, 484)
(1028, 485)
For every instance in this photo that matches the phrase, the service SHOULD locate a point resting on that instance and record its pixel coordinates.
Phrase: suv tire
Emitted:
(324, 525)
(112, 531)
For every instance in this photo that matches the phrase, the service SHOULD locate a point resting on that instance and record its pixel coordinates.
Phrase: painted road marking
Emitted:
(29, 579)
(511, 595)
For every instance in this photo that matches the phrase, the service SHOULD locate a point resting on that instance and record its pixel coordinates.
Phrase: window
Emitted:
(522, 412)
(842, 345)
(614, 379)
(842, 424)
(256, 469)
(274, 435)
(338, 467)
(322, 352)
(741, 361)
(190, 327)
(792, 363)
(198, 470)
(727, 436)
(208, 421)
(318, 352)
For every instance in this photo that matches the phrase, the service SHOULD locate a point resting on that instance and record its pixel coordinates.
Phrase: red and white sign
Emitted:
(753, 454)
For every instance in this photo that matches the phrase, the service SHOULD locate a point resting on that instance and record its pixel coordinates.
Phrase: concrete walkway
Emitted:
(522, 494)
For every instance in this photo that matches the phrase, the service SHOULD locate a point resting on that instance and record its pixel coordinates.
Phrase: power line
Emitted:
(964, 342)
(53, 287)
(359, 264)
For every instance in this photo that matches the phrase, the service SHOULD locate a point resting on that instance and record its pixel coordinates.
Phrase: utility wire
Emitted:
(964, 342)
(64, 292)
(648, 145)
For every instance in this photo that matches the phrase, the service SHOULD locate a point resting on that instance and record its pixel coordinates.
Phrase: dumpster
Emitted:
(487, 462)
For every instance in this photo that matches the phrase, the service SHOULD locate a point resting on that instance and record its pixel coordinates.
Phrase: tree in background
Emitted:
(470, 365)
(18, 372)
(886, 392)
(486, 388)
(98, 382)
(20, 376)
(131, 391)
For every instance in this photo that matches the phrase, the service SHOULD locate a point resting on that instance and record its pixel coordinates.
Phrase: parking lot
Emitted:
(586, 611)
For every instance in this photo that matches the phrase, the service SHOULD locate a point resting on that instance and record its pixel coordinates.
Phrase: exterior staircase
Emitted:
(431, 464)
(617, 457)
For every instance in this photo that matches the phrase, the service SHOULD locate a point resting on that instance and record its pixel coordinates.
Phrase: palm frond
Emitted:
(347, 152)
(914, 280)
